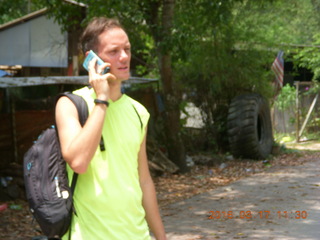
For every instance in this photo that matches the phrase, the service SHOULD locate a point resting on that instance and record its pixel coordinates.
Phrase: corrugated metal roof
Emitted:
(8, 82)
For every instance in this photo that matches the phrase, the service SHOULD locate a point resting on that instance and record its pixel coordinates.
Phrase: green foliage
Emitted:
(10, 10)
(286, 98)
(276, 23)
(67, 15)
(309, 57)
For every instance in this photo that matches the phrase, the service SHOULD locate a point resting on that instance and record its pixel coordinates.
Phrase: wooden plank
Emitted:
(308, 115)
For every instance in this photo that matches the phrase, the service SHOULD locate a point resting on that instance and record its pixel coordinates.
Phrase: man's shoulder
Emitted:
(83, 91)
(138, 106)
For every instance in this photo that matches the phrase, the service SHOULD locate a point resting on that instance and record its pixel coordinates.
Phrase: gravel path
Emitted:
(283, 203)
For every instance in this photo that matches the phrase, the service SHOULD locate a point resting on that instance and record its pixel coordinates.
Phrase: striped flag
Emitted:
(278, 68)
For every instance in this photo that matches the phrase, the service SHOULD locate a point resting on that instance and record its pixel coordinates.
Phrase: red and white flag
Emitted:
(278, 68)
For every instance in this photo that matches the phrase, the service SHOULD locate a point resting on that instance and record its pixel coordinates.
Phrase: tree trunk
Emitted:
(175, 145)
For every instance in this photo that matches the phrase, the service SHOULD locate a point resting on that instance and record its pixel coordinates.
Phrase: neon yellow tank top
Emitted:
(108, 197)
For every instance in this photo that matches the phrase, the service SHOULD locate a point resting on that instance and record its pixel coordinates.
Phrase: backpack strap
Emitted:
(80, 104)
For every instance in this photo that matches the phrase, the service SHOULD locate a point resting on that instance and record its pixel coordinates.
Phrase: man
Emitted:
(115, 196)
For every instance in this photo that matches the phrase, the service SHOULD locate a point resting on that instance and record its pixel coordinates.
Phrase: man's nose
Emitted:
(124, 55)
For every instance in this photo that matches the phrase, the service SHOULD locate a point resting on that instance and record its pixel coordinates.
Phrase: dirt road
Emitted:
(282, 203)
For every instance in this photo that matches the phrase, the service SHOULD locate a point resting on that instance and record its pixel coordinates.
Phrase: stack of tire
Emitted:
(249, 127)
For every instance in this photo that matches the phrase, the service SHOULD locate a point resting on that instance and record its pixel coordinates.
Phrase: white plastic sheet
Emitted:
(36, 43)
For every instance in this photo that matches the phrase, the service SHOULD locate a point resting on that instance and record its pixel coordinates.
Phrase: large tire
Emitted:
(249, 127)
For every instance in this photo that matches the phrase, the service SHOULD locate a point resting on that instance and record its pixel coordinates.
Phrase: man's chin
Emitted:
(124, 77)
(118, 80)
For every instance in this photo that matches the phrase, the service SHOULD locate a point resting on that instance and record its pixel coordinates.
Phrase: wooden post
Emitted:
(12, 111)
(297, 112)
(308, 115)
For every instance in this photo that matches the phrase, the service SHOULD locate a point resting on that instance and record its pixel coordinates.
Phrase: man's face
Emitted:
(114, 48)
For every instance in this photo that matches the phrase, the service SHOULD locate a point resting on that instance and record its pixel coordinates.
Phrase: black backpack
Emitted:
(46, 181)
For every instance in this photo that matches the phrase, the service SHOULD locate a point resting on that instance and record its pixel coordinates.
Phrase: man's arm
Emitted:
(149, 199)
(78, 144)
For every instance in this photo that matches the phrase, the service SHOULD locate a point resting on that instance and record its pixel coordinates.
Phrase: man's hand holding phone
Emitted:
(91, 55)
(99, 75)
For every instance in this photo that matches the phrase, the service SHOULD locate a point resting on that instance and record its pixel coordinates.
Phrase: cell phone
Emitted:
(91, 56)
